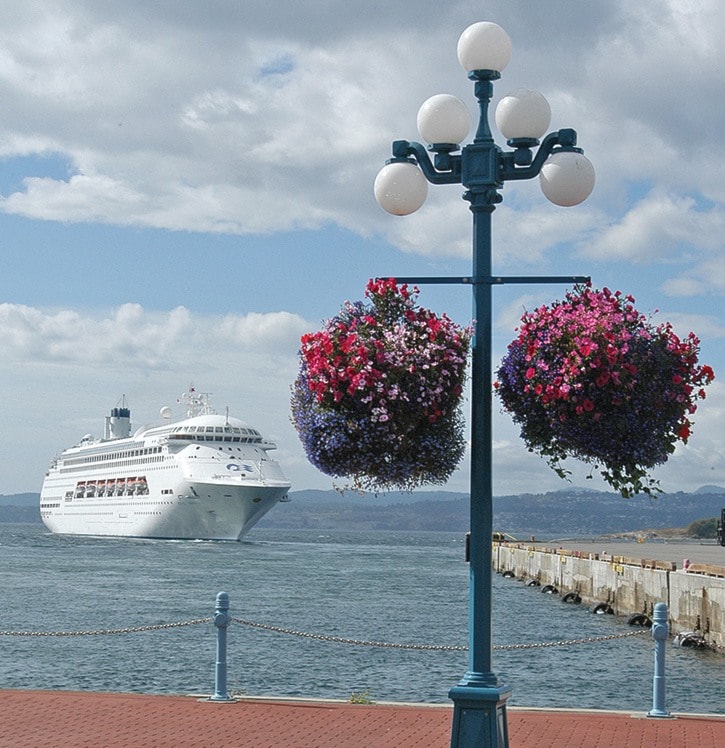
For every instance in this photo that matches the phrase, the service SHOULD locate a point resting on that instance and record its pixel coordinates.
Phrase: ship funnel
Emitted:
(118, 424)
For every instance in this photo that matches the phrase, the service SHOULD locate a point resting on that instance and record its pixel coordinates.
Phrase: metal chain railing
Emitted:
(431, 647)
(323, 637)
(222, 619)
(566, 642)
(343, 640)
(102, 632)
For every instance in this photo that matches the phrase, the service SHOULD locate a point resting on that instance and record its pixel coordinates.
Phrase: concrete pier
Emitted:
(631, 578)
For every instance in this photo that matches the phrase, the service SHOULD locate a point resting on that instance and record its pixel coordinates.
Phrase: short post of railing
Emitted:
(221, 621)
(660, 632)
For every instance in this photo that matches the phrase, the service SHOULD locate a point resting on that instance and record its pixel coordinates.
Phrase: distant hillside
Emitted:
(20, 499)
(578, 512)
(571, 512)
(333, 512)
(556, 514)
(20, 507)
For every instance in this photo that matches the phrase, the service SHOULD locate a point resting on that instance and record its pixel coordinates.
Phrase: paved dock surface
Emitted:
(67, 719)
(674, 551)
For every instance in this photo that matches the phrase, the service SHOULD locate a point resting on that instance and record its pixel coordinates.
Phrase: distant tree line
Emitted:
(702, 528)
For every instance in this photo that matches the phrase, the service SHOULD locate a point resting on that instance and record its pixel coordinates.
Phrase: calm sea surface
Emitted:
(382, 586)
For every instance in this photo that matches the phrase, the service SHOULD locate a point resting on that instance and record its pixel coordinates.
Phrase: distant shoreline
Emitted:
(568, 513)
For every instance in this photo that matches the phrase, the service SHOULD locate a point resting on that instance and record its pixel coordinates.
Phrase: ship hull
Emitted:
(196, 511)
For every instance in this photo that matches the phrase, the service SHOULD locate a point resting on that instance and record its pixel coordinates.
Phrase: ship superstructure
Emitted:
(208, 476)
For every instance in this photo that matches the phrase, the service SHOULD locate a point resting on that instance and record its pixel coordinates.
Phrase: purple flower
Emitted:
(377, 398)
(590, 377)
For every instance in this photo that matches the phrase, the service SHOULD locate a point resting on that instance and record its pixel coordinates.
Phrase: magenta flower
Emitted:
(590, 377)
(377, 398)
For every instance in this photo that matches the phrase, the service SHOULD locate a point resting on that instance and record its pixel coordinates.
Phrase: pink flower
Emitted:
(586, 347)
(593, 356)
(603, 378)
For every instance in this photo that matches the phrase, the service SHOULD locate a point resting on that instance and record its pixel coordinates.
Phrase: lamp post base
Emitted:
(479, 716)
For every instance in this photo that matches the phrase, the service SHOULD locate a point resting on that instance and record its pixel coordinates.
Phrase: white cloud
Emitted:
(131, 337)
(683, 287)
(702, 460)
(184, 130)
(272, 331)
(705, 277)
(657, 227)
(255, 120)
(82, 197)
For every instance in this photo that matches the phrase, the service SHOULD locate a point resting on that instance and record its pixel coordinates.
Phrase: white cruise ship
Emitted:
(206, 477)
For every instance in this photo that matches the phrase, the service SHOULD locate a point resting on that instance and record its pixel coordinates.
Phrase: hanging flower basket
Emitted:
(590, 377)
(377, 398)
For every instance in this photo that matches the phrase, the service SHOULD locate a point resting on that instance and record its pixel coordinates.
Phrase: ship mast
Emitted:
(197, 403)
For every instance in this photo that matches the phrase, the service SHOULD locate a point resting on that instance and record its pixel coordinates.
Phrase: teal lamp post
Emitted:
(482, 168)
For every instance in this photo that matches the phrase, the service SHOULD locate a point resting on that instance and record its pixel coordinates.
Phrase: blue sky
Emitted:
(184, 193)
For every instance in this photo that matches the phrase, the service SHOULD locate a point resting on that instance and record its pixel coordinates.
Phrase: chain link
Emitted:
(342, 640)
(432, 647)
(323, 637)
(565, 642)
(102, 632)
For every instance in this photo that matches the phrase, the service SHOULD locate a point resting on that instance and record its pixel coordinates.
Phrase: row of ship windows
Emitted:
(119, 463)
(215, 430)
(113, 456)
(215, 438)
(136, 513)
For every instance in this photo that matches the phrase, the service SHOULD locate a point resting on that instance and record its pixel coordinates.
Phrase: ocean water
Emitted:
(394, 587)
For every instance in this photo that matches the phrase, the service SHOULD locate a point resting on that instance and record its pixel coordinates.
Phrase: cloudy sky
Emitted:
(186, 188)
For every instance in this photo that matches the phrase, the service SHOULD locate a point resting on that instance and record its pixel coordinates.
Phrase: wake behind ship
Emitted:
(206, 477)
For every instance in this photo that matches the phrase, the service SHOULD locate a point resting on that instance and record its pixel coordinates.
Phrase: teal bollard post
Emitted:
(660, 632)
(221, 621)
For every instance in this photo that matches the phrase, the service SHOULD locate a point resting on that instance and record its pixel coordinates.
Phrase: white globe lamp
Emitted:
(524, 113)
(400, 188)
(567, 178)
(443, 119)
(484, 46)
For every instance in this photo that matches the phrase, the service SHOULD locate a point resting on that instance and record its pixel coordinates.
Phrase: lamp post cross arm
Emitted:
(519, 164)
(494, 280)
(447, 168)
(403, 150)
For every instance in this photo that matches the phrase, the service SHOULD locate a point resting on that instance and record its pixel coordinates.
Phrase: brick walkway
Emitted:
(65, 719)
